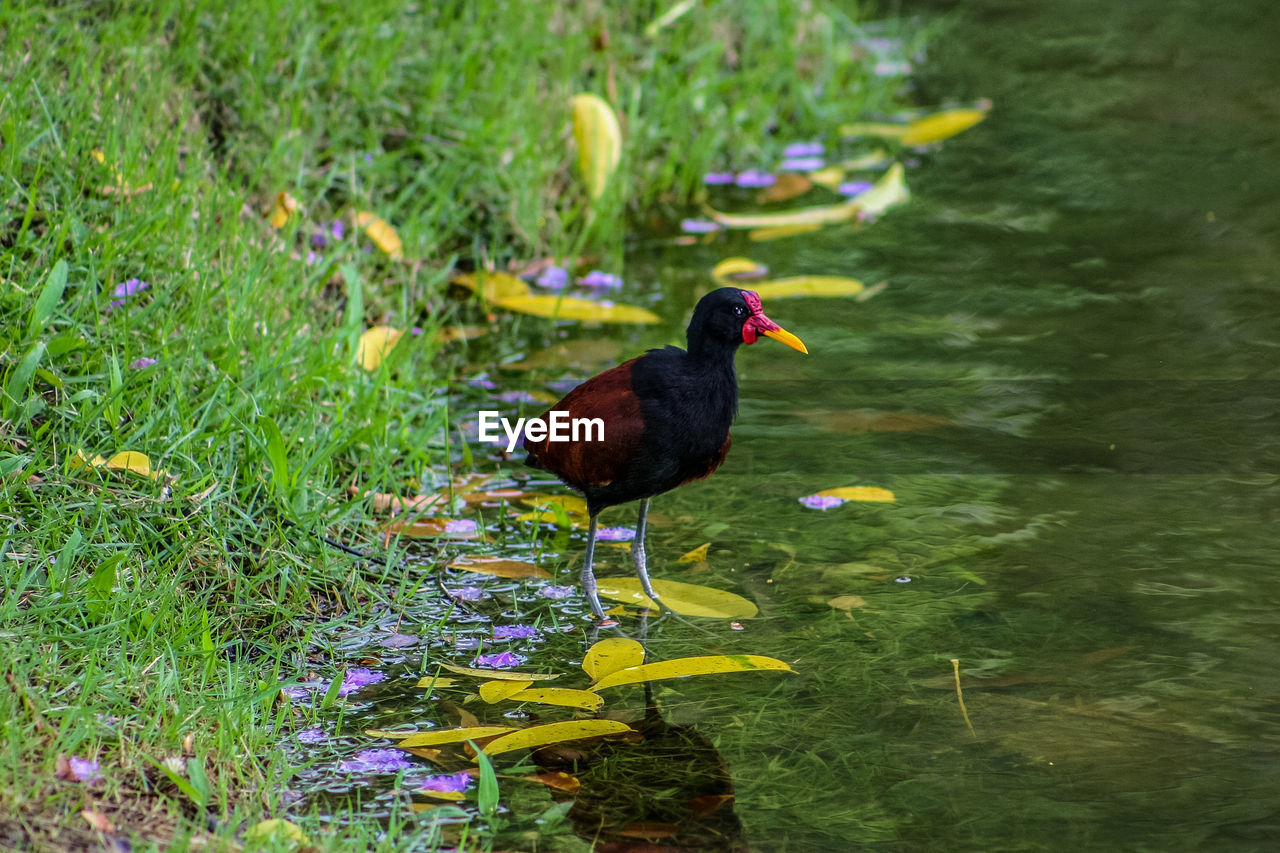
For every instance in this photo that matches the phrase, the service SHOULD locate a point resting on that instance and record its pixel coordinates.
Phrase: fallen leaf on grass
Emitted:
(684, 598)
(276, 826)
(282, 207)
(499, 567)
(381, 233)
(97, 821)
(685, 667)
(599, 140)
(375, 344)
(129, 461)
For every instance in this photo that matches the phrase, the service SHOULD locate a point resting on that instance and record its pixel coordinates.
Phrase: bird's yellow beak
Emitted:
(782, 336)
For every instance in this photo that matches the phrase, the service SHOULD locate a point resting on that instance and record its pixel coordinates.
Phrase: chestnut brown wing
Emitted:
(587, 464)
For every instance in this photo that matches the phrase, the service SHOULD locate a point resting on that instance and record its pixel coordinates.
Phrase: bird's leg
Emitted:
(638, 555)
(588, 576)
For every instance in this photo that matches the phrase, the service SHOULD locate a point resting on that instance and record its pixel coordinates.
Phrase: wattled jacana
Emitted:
(666, 419)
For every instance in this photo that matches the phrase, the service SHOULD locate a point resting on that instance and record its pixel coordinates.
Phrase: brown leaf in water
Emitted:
(703, 806)
(788, 186)
(499, 567)
(558, 780)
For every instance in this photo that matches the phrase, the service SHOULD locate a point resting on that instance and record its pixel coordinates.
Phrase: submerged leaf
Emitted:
(381, 233)
(788, 186)
(571, 308)
(697, 555)
(599, 140)
(555, 733)
(941, 125)
(684, 598)
(610, 655)
(499, 567)
(684, 667)
(374, 345)
(809, 285)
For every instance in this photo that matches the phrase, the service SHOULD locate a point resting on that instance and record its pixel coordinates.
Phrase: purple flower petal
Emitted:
(319, 240)
(714, 179)
(616, 534)
(130, 287)
(454, 782)
(467, 593)
(555, 592)
(854, 187)
(804, 149)
(514, 632)
(482, 381)
(312, 735)
(821, 501)
(85, 770)
(699, 226)
(461, 526)
(376, 761)
(518, 397)
(892, 69)
(553, 278)
(140, 363)
(502, 660)
(802, 164)
(356, 678)
(312, 257)
(754, 179)
(601, 280)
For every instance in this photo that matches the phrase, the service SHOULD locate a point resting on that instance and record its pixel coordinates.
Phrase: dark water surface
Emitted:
(1087, 286)
(1083, 296)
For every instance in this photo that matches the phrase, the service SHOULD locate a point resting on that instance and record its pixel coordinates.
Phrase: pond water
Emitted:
(1082, 297)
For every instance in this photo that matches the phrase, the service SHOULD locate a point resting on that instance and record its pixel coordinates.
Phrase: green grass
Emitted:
(146, 622)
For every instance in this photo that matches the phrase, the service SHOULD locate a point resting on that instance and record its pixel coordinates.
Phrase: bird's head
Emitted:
(730, 316)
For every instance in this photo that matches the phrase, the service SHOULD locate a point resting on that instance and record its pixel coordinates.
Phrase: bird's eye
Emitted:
(739, 310)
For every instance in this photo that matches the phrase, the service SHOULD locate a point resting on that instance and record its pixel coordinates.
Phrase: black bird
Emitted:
(666, 419)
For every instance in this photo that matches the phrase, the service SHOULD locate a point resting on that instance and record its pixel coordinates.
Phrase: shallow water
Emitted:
(1083, 298)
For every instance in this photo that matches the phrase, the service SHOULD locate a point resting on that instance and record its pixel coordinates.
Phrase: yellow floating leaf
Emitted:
(781, 232)
(572, 308)
(374, 345)
(599, 140)
(563, 697)
(282, 208)
(887, 130)
(452, 334)
(536, 736)
(826, 214)
(684, 667)
(870, 160)
(847, 602)
(610, 655)
(859, 493)
(390, 734)
(548, 517)
(940, 126)
(493, 286)
(889, 191)
(788, 186)
(502, 674)
(276, 826)
(133, 462)
(453, 735)
(451, 796)
(499, 567)
(830, 177)
(684, 598)
(435, 681)
(381, 233)
(809, 285)
(496, 691)
(572, 504)
(697, 555)
(738, 269)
